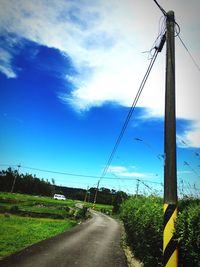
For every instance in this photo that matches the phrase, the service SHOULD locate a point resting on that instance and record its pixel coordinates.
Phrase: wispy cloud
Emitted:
(6, 64)
(192, 137)
(121, 171)
(105, 41)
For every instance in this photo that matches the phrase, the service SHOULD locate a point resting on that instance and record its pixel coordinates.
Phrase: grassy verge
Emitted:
(19, 232)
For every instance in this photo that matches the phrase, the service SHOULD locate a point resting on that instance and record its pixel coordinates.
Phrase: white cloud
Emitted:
(191, 137)
(105, 41)
(6, 64)
(122, 171)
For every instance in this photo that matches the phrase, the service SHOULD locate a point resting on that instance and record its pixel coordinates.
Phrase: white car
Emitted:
(59, 197)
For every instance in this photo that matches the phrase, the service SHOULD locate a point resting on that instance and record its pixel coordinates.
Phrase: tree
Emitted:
(119, 197)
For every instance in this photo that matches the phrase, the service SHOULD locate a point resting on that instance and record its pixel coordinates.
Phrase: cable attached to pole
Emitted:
(131, 110)
(128, 117)
(161, 9)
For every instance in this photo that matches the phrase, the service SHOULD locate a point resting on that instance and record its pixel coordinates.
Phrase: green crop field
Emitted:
(20, 227)
(35, 206)
(18, 232)
(42, 204)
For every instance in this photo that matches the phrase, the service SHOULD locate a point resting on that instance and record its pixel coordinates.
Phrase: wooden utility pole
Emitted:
(95, 197)
(86, 193)
(15, 178)
(170, 172)
(137, 187)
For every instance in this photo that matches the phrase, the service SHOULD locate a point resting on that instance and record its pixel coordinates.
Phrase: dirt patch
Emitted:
(131, 260)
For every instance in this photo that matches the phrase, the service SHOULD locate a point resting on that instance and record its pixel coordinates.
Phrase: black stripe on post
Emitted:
(168, 213)
(169, 250)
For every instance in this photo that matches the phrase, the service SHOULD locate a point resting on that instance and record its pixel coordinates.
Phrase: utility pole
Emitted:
(170, 172)
(86, 193)
(15, 177)
(95, 197)
(137, 187)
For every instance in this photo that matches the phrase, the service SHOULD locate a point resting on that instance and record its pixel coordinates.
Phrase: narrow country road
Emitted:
(95, 243)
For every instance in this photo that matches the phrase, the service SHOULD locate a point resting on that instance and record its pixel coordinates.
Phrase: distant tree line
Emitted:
(29, 184)
(104, 195)
(24, 183)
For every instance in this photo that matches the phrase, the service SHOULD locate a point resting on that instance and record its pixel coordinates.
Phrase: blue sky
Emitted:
(69, 71)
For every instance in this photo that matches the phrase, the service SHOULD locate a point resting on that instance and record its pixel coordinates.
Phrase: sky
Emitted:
(69, 72)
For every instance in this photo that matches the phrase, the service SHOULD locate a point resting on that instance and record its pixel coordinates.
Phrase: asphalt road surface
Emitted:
(95, 243)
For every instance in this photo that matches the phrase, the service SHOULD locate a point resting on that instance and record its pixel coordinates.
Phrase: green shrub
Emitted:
(80, 213)
(143, 222)
(143, 219)
(188, 236)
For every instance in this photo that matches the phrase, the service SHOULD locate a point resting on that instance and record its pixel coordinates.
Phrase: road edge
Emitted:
(131, 260)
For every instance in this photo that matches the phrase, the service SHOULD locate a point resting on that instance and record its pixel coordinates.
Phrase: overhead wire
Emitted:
(157, 49)
(189, 53)
(75, 174)
(131, 110)
(161, 8)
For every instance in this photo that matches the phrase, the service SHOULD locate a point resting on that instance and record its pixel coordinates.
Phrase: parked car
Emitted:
(59, 197)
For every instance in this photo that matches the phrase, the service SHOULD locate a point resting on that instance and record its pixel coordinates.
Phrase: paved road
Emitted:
(95, 243)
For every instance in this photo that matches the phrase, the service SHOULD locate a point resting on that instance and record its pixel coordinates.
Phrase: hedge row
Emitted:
(188, 236)
(143, 222)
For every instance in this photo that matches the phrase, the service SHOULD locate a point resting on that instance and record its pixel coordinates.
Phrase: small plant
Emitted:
(14, 209)
(81, 213)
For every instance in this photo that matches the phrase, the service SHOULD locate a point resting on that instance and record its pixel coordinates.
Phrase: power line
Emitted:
(79, 175)
(161, 8)
(191, 56)
(121, 134)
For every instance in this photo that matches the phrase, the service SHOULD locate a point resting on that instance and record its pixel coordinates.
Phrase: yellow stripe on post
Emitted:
(169, 244)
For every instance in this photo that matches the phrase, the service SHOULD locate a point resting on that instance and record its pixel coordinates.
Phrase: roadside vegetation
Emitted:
(143, 222)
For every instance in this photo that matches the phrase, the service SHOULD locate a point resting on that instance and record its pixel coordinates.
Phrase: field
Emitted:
(42, 206)
(27, 219)
(19, 232)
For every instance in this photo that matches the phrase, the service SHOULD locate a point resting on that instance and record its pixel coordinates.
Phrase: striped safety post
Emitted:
(170, 251)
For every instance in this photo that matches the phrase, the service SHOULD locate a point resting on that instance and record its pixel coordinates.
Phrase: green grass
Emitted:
(43, 204)
(18, 232)
(36, 204)
(17, 198)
